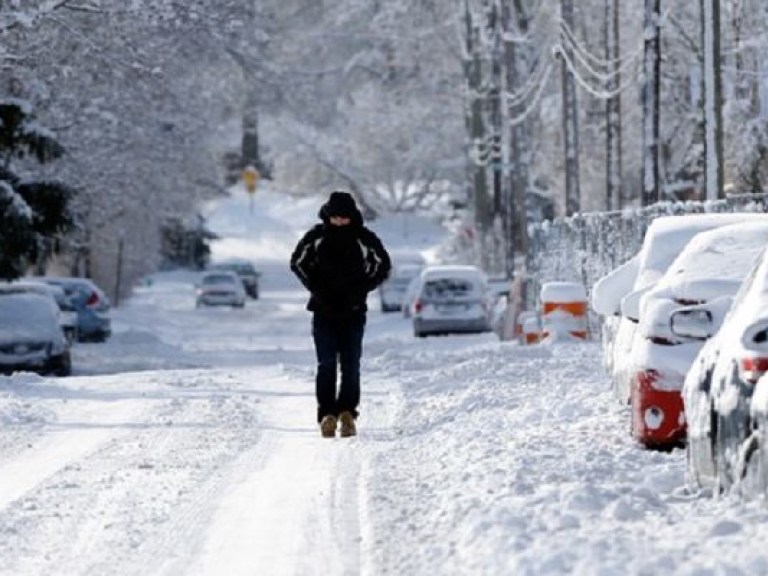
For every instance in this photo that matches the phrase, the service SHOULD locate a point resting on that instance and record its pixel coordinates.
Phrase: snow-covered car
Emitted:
(612, 295)
(724, 391)
(31, 337)
(67, 312)
(220, 289)
(245, 270)
(92, 306)
(710, 268)
(451, 299)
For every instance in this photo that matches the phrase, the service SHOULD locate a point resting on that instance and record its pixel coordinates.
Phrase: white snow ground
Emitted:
(187, 445)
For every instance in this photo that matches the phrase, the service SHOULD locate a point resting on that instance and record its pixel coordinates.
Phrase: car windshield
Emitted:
(448, 288)
(26, 316)
(243, 269)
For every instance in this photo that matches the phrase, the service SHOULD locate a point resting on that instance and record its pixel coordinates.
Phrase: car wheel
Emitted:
(63, 366)
(732, 432)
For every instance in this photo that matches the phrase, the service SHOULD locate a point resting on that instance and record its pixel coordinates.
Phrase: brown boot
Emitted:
(328, 426)
(348, 427)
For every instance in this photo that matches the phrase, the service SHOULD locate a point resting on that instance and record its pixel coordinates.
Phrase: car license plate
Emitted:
(452, 308)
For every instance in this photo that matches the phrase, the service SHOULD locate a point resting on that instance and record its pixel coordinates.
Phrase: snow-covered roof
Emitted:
(668, 235)
(451, 271)
(725, 253)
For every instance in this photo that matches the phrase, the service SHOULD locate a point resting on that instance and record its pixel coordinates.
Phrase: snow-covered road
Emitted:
(187, 445)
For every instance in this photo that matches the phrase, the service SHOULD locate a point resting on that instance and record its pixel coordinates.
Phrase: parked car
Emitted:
(617, 294)
(406, 265)
(451, 299)
(711, 266)
(245, 270)
(31, 337)
(94, 323)
(725, 392)
(67, 312)
(220, 289)
(392, 290)
(409, 296)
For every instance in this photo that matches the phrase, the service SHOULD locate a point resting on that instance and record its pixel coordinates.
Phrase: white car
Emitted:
(617, 295)
(67, 312)
(220, 289)
(708, 271)
(451, 299)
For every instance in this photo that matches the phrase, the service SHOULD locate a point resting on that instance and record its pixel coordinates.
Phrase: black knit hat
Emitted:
(341, 204)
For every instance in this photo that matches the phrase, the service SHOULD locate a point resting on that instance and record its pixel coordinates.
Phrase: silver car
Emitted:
(220, 289)
(31, 337)
(451, 299)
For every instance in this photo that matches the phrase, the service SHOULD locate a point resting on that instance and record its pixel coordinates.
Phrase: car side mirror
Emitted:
(692, 323)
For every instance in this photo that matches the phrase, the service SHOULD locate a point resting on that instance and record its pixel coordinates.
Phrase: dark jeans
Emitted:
(338, 342)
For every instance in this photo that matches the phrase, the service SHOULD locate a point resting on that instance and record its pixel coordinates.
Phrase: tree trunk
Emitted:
(651, 93)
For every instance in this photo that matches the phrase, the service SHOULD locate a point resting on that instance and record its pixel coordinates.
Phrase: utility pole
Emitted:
(570, 119)
(651, 94)
(613, 132)
(496, 158)
(479, 154)
(713, 101)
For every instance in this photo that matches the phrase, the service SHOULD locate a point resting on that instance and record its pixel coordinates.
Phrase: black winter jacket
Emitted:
(339, 265)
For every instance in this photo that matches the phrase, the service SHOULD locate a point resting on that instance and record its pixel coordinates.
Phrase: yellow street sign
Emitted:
(251, 179)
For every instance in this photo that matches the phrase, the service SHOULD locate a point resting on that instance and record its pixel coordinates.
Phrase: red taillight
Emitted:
(417, 306)
(93, 299)
(752, 368)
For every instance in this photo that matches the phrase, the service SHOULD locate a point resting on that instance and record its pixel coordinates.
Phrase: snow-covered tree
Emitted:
(34, 212)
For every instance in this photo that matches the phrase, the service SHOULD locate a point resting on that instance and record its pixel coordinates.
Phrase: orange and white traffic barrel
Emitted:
(564, 310)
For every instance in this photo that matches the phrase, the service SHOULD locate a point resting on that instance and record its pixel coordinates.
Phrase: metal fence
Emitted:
(587, 246)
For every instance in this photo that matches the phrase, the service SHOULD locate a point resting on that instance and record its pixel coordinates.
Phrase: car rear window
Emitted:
(449, 288)
(218, 279)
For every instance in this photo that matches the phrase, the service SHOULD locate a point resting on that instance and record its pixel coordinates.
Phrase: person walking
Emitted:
(339, 261)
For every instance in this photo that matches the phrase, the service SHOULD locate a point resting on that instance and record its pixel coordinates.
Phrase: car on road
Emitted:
(726, 391)
(94, 322)
(451, 299)
(220, 288)
(711, 267)
(31, 337)
(245, 270)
